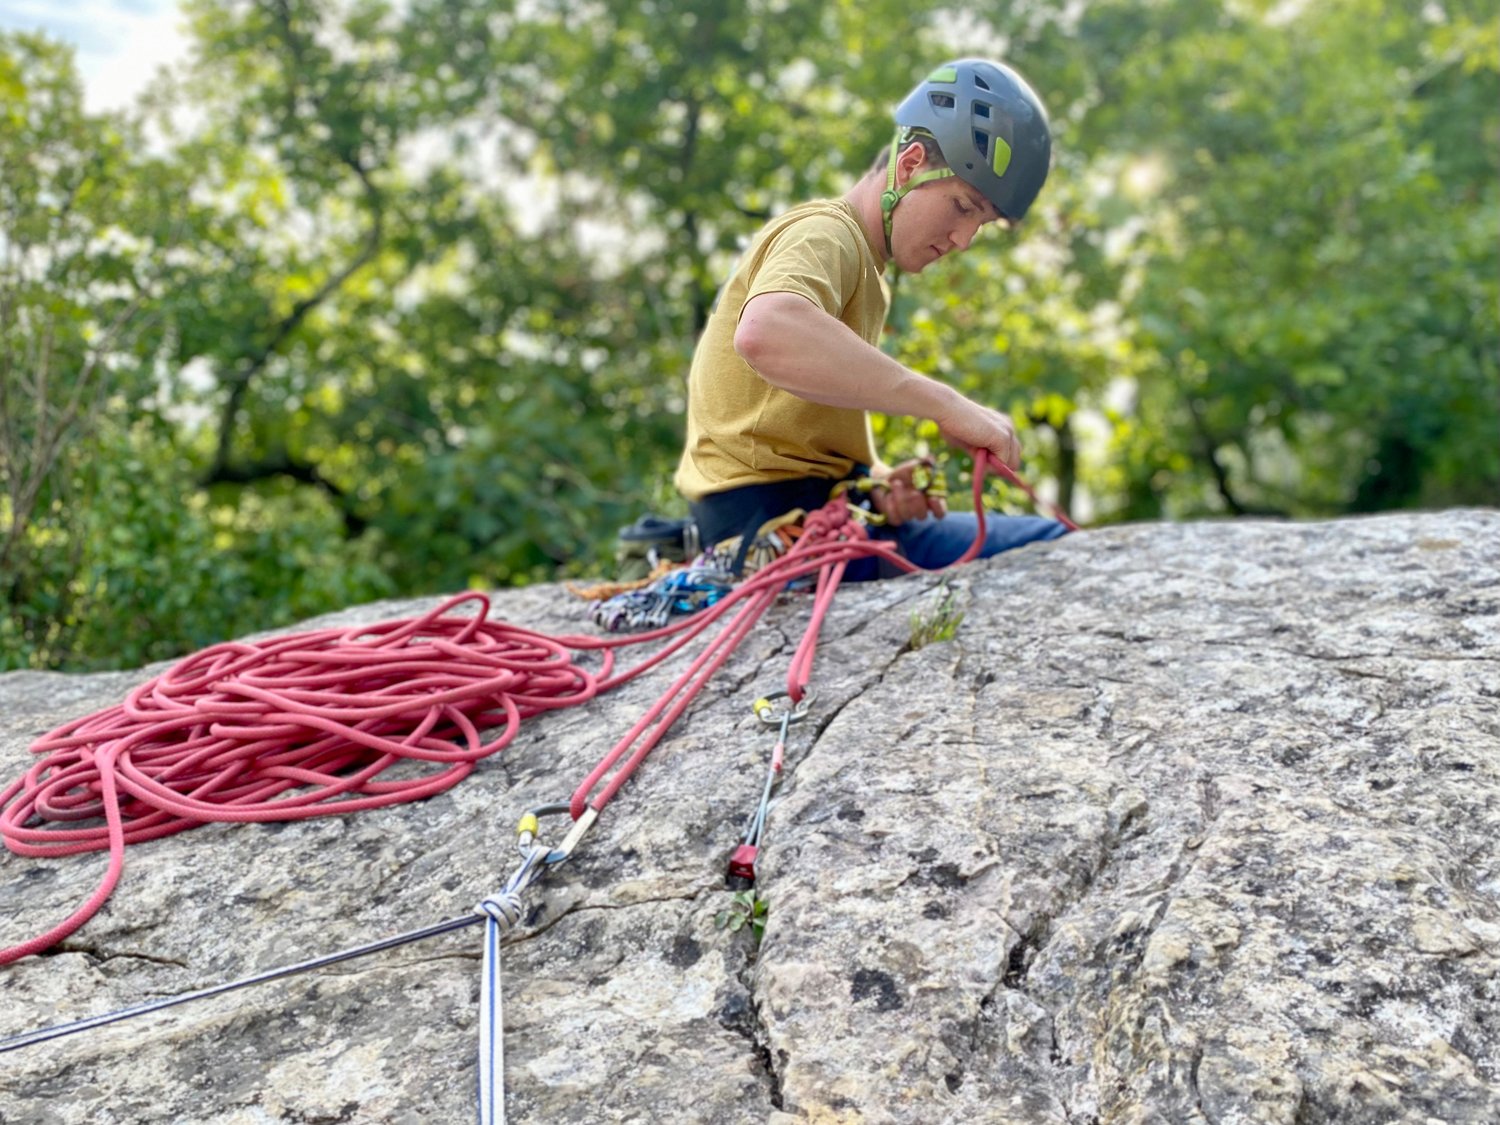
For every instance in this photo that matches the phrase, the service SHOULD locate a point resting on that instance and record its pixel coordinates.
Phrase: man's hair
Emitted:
(931, 154)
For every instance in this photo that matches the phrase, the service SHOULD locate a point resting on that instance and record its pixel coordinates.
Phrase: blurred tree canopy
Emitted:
(370, 298)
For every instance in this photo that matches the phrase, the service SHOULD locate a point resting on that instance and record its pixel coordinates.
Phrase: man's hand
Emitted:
(901, 500)
(977, 427)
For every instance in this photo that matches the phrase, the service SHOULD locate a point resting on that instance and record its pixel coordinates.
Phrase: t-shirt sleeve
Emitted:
(815, 257)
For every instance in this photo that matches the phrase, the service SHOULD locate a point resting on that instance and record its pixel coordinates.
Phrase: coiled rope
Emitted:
(314, 724)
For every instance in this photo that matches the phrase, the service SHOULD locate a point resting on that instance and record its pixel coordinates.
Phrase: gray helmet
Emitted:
(989, 125)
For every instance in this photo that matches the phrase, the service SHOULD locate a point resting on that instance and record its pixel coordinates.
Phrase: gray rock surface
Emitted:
(1188, 823)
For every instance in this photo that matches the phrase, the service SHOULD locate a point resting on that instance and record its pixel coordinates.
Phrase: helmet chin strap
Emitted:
(893, 194)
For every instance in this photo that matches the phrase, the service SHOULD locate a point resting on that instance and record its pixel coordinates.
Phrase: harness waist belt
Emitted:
(741, 511)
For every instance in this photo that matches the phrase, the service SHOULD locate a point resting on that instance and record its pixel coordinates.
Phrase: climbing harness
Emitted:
(631, 607)
(305, 725)
(768, 543)
(742, 861)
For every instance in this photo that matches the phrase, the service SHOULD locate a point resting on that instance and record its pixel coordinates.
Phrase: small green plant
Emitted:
(745, 909)
(940, 623)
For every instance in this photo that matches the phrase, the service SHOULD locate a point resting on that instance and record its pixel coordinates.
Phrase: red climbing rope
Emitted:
(340, 720)
(988, 460)
(295, 727)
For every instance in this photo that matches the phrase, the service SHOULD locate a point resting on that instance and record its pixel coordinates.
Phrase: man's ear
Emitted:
(909, 162)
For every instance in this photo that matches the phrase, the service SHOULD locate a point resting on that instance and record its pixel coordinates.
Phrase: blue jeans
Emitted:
(932, 543)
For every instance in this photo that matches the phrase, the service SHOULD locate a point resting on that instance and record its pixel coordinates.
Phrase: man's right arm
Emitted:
(796, 346)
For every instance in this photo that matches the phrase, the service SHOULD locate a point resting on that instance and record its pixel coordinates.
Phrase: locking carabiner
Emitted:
(528, 828)
(765, 708)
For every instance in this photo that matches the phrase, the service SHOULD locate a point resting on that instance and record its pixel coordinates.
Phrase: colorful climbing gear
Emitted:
(677, 592)
(771, 541)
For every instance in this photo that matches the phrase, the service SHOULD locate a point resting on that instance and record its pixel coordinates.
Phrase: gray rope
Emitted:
(501, 911)
(506, 903)
(16, 1042)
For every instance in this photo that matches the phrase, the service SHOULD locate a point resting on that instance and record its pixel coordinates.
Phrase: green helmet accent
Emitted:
(990, 127)
(892, 194)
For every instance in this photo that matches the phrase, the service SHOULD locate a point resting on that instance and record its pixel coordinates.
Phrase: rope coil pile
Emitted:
(314, 724)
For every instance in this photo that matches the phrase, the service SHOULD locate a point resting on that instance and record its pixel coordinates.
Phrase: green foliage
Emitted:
(939, 622)
(1301, 228)
(747, 910)
(405, 301)
(80, 235)
(136, 572)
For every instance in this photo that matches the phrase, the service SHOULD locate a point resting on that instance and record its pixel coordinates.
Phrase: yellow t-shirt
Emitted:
(740, 429)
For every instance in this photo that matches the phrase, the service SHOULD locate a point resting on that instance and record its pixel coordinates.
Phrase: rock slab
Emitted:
(1187, 823)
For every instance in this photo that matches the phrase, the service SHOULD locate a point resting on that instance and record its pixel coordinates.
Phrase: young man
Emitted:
(789, 366)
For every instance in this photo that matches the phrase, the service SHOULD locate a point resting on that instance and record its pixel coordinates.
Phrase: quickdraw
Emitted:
(742, 861)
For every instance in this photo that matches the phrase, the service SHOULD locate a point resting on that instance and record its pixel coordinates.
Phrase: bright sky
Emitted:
(120, 43)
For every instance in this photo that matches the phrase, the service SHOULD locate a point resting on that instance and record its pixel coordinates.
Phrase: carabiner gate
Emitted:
(528, 828)
(766, 710)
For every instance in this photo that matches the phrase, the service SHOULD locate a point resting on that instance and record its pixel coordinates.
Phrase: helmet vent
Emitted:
(942, 101)
(981, 83)
(981, 109)
(982, 143)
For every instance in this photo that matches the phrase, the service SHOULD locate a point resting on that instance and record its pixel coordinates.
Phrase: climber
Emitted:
(788, 366)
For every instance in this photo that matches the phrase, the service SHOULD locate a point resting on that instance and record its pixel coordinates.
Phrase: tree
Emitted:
(1303, 228)
(110, 555)
(406, 301)
(75, 273)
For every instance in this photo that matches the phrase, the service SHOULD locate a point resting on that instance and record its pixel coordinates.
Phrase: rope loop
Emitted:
(503, 908)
